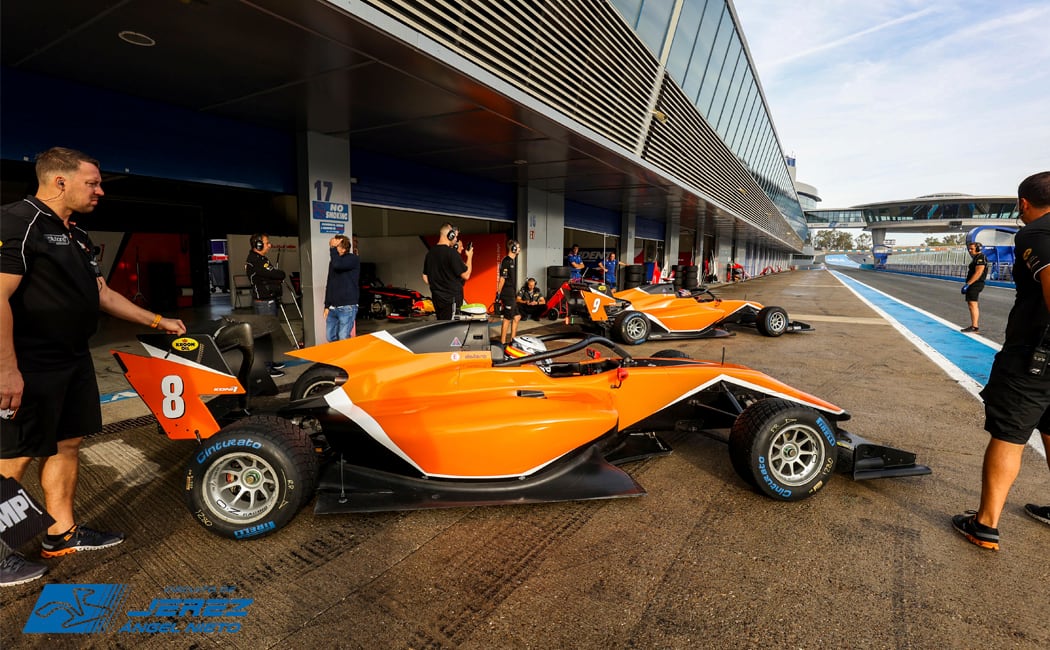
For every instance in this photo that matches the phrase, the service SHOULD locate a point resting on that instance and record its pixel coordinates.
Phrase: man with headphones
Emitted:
(975, 276)
(445, 271)
(506, 303)
(53, 291)
(267, 281)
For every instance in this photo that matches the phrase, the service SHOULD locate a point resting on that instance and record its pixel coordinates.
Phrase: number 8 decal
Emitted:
(173, 406)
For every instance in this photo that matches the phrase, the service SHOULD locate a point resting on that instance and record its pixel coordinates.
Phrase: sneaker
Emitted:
(977, 533)
(971, 328)
(277, 366)
(78, 538)
(275, 373)
(16, 570)
(1042, 513)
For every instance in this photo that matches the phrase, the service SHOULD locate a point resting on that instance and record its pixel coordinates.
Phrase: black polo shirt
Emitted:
(56, 305)
(508, 271)
(978, 260)
(443, 267)
(1029, 316)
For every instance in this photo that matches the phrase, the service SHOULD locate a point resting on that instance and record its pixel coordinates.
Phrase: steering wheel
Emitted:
(586, 341)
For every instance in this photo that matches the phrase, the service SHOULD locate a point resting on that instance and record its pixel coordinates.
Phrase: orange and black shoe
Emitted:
(76, 539)
(977, 533)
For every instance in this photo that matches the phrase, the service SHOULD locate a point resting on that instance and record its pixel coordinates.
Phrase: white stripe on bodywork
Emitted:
(341, 402)
(386, 336)
(749, 385)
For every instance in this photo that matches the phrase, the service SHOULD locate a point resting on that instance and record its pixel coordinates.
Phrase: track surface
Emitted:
(701, 561)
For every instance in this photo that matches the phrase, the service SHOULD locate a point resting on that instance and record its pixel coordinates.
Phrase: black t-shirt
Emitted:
(443, 266)
(56, 306)
(508, 271)
(1029, 316)
(978, 260)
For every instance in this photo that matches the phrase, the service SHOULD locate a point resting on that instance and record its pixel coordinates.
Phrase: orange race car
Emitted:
(436, 416)
(659, 311)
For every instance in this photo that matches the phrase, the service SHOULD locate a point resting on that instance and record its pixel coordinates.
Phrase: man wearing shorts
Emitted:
(53, 290)
(975, 276)
(1017, 396)
(506, 297)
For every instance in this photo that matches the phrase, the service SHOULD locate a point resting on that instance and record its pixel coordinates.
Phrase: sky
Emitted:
(893, 99)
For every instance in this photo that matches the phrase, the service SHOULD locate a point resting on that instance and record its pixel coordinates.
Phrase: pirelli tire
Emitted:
(771, 321)
(251, 478)
(317, 380)
(784, 450)
(632, 327)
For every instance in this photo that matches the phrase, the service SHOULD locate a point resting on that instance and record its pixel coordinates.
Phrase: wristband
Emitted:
(156, 321)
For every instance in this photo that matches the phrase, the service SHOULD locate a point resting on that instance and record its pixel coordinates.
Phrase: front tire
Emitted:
(251, 478)
(784, 450)
(318, 379)
(771, 321)
(632, 328)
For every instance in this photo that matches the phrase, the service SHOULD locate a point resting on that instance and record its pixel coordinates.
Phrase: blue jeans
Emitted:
(340, 322)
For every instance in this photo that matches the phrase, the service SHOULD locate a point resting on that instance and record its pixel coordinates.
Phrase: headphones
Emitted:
(512, 246)
(452, 233)
(976, 245)
(61, 184)
(258, 243)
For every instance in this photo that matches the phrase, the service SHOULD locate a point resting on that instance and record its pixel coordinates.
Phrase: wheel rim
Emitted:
(777, 322)
(796, 454)
(634, 328)
(241, 488)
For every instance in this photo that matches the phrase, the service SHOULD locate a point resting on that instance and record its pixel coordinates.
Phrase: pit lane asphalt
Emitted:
(701, 561)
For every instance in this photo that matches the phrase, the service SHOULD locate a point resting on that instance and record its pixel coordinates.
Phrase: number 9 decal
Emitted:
(173, 406)
(595, 306)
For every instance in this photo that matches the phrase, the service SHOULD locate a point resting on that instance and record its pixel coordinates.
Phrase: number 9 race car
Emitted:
(437, 416)
(659, 311)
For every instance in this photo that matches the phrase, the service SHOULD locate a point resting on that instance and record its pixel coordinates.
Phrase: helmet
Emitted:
(525, 345)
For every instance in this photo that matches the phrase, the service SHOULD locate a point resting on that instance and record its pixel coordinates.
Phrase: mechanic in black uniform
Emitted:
(531, 301)
(445, 271)
(506, 297)
(53, 290)
(267, 287)
(1017, 396)
(975, 276)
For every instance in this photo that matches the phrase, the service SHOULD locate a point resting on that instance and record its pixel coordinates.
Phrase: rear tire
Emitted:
(251, 478)
(632, 327)
(784, 450)
(771, 321)
(318, 379)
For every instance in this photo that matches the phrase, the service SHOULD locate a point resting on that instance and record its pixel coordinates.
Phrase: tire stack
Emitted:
(557, 276)
(633, 276)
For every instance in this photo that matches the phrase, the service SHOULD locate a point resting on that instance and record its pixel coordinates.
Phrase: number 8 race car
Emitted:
(659, 311)
(437, 416)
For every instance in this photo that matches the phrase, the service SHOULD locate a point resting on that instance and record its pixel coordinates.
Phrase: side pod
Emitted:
(865, 460)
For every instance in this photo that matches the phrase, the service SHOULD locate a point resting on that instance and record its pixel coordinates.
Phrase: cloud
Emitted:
(893, 99)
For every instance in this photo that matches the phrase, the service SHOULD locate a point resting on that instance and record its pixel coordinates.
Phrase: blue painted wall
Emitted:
(386, 181)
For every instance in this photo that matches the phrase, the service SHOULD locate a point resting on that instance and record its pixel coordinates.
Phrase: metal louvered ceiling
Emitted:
(351, 68)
